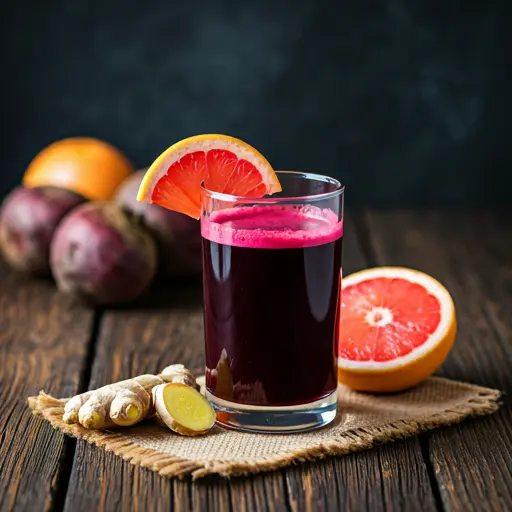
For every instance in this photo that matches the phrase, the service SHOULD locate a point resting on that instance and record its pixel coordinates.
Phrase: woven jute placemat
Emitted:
(362, 421)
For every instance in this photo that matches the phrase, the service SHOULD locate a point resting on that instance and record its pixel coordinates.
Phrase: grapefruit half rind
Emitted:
(219, 160)
(403, 371)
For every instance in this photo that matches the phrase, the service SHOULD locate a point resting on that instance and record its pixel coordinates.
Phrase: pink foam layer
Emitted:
(272, 227)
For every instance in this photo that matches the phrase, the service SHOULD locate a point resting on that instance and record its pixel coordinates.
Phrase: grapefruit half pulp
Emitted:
(225, 164)
(397, 327)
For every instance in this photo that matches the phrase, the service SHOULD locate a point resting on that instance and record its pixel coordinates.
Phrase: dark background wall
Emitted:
(405, 101)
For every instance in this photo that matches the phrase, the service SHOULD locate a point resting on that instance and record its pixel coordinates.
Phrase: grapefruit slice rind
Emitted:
(226, 165)
(397, 327)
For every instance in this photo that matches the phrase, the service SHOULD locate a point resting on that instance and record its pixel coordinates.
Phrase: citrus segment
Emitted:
(224, 163)
(167, 191)
(397, 327)
(221, 166)
(245, 181)
(174, 187)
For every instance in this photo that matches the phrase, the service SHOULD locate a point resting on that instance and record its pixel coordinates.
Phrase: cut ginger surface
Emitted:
(183, 409)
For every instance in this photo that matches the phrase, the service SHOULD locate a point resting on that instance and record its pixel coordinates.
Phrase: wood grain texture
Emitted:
(265, 492)
(43, 344)
(470, 254)
(389, 477)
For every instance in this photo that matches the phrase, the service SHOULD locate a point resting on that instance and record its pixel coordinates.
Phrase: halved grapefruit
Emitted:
(225, 164)
(397, 327)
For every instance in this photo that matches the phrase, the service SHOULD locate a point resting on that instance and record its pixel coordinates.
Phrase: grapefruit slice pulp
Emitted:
(225, 164)
(397, 327)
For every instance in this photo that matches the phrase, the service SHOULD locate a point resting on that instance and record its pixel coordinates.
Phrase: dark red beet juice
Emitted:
(271, 282)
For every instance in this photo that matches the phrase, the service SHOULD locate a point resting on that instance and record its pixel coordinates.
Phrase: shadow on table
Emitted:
(169, 294)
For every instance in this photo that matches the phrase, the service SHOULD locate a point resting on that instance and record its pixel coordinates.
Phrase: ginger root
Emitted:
(183, 409)
(123, 403)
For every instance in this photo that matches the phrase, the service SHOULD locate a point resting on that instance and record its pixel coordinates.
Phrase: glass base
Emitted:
(265, 419)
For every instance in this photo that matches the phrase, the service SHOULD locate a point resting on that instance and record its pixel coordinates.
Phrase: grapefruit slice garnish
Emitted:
(397, 327)
(225, 164)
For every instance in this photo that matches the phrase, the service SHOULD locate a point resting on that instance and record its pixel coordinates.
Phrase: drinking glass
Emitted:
(271, 281)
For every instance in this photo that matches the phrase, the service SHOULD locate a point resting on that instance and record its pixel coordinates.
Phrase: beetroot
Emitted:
(178, 236)
(101, 254)
(28, 219)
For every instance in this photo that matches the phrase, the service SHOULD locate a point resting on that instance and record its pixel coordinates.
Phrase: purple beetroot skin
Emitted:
(102, 255)
(178, 236)
(28, 219)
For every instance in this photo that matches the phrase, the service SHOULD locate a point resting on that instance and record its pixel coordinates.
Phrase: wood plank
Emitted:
(390, 477)
(213, 494)
(470, 254)
(170, 329)
(44, 343)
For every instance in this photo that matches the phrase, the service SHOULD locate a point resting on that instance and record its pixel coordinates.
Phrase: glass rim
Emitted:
(339, 189)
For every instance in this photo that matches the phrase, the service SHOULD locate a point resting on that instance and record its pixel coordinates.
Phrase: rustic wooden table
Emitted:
(46, 342)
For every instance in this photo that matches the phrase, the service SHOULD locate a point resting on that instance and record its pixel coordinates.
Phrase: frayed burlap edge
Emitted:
(51, 409)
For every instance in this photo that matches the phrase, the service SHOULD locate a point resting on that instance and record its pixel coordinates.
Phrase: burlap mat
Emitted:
(362, 421)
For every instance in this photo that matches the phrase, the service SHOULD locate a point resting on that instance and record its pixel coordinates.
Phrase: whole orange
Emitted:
(87, 166)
